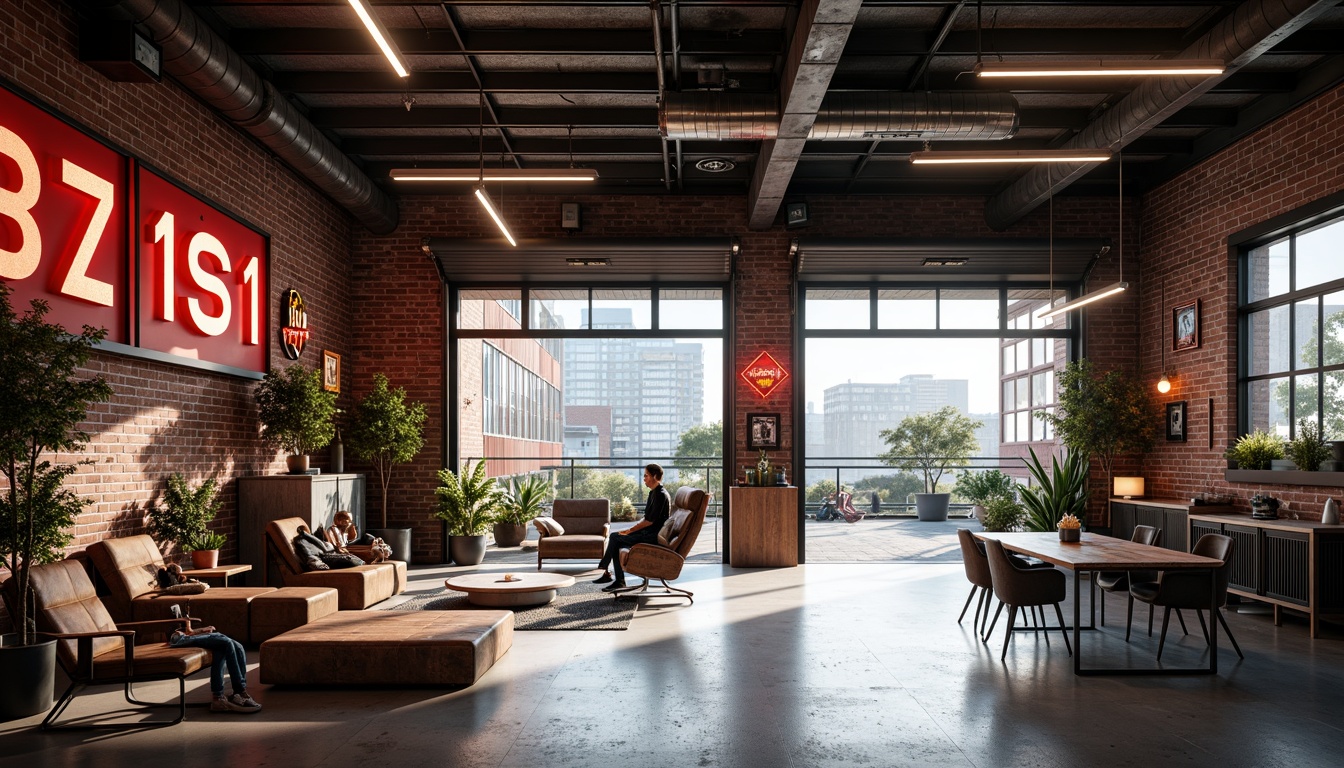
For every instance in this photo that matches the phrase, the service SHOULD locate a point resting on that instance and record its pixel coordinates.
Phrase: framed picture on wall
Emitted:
(762, 431)
(1176, 423)
(331, 371)
(1185, 326)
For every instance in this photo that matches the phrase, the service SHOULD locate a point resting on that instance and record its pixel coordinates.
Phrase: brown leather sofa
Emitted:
(358, 587)
(586, 522)
(663, 561)
(128, 566)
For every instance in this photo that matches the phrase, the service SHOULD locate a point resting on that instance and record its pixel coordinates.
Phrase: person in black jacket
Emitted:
(656, 511)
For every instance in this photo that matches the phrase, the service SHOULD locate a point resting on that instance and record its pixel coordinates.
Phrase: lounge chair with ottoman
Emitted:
(128, 566)
(359, 587)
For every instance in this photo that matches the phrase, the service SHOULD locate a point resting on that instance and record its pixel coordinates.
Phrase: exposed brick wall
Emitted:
(165, 418)
(1293, 161)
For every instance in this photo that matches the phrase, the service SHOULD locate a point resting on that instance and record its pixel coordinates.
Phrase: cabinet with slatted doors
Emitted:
(1291, 564)
(1166, 515)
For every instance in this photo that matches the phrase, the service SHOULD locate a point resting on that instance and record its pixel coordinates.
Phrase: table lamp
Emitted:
(1128, 487)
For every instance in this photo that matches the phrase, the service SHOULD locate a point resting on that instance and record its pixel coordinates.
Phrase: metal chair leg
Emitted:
(1228, 630)
(1150, 619)
(1202, 626)
(1062, 631)
(1181, 619)
(1103, 607)
(1166, 619)
(968, 605)
(1008, 635)
(989, 600)
(993, 623)
(1129, 617)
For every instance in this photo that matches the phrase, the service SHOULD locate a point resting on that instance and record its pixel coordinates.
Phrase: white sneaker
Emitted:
(241, 702)
(220, 704)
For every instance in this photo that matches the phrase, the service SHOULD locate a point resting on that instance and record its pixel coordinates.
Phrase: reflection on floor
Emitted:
(825, 664)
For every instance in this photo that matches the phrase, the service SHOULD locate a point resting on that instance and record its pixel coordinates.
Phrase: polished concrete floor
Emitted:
(826, 664)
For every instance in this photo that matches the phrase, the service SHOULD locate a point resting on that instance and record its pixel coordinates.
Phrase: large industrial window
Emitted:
(1292, 331)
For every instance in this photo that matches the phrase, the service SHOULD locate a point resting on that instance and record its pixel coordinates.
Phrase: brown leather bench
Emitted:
(128, 566)
(389, 648)
(359, 587)
(281, 610)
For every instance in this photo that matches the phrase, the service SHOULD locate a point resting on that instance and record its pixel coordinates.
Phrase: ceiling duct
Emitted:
(929, 116)
(201, 61)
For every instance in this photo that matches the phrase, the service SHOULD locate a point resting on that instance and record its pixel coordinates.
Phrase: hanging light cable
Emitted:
(1164, 383)
(1113, 288)
(481, 194)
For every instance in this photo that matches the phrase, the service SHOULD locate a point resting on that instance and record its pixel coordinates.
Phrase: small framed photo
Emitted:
(1185, 326)
(331, 371)
(762, 431)
(1176, 423)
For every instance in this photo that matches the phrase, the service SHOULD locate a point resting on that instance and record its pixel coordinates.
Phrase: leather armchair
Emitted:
(587, 522)
(94, 650)
(663, 561)
(1191, 589)
(1023, 587)
(358, 587)
(1119, 581)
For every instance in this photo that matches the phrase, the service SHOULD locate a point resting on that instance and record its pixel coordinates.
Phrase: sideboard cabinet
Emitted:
(315, 498)
(1166, 515)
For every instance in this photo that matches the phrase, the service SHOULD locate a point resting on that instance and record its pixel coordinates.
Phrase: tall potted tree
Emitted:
(297, 416)
(42, 403)
(1103, 415)
(469, 502)
(931, 443)
(387, 430)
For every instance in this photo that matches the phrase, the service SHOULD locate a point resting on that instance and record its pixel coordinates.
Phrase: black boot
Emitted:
(614, 586)
(605, 578)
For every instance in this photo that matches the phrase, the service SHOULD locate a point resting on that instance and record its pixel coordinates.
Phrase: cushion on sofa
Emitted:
(548, 527)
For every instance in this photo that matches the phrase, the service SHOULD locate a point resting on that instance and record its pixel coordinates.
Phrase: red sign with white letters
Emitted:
(63, 209)
(70, 223)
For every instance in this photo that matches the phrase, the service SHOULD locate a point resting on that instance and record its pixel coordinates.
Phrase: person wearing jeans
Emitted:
(224, 651)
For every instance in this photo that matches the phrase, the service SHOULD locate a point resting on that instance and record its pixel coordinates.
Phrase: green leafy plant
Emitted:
(42, 404)
(1103, 415)
(469, 501)
(523, 500)
(1059, 491)
(296, 415)
(1002, 513)
(387, 430)
(624, 510)
(1256, 450)
(204, 542)
(185, 514)
(979, 487)
(1308, 449)
(930, 443)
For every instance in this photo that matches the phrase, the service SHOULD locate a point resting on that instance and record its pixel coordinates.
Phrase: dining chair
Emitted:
(1019, 587)
(1191, 589)
(977, 572)
(1119, 581)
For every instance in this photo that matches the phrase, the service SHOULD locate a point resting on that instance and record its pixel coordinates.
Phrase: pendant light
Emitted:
(1114, 288)
(481, 194)
(1164, 383)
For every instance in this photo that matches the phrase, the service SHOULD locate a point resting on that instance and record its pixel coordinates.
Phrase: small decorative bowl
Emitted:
(510, 577)
(1070, 534)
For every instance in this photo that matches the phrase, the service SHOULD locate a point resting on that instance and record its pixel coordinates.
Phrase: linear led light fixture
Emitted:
(380, 36)
(1109, 290)
(1100, 68)
(498, 174)
(499, 220)
(963, 157)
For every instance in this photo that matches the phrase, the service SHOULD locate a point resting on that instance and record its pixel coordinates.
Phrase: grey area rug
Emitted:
(583, 606)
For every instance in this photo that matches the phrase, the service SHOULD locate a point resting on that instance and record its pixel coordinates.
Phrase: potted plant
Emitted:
(1103, 415)
(387, 430)
(42, 403)
(296, 414)
(1308, 450)
(1058, 493)
(979, 487)
(1002, 513)
(1256, 450)
(522, 503)
(930, 443)
(468, 502)
(184, 519)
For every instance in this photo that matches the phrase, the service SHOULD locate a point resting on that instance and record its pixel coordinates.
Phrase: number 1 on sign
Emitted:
(204, 280)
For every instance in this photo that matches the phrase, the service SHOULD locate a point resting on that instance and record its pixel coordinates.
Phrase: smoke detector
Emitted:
(715, 165)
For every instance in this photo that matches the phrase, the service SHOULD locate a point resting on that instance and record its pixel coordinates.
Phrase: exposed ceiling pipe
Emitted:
(1250, 30)
(676, 74)
(201, 61)
(655, 11)
(942, 116)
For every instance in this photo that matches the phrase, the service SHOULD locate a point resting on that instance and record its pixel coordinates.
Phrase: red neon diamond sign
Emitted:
(764, 374)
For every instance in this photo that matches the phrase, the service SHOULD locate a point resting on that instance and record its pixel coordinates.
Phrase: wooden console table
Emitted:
(1166, 515)
(1288, 563)
(763, 527)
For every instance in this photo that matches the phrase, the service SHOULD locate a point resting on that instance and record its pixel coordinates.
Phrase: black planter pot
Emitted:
(399, 539)
(29, 675)
(509, 535)
(467, 550)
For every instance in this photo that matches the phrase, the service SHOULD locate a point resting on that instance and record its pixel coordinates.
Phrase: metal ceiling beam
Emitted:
(1254, 27)
(818, 40)
(559, 42)
(495, 82)
(583, 147)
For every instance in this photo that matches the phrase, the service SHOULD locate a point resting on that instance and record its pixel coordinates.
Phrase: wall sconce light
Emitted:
(1128, 487)
(1164, 384)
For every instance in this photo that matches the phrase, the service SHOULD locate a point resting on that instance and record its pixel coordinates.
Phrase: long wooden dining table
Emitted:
(1093, 553)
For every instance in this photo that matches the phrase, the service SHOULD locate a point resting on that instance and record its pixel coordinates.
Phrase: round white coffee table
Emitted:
(491, 590)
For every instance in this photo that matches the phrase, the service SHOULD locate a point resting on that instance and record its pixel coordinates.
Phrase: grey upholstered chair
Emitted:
(977, 572)
(1119, 581)
(1191, 589)
(1023, 588)
(586, 523)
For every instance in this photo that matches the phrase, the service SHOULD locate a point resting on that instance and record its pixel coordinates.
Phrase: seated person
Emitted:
(224, 651)
(828, 511)
(343, 534)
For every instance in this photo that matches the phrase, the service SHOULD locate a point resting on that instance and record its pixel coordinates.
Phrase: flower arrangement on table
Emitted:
(1070, 528)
